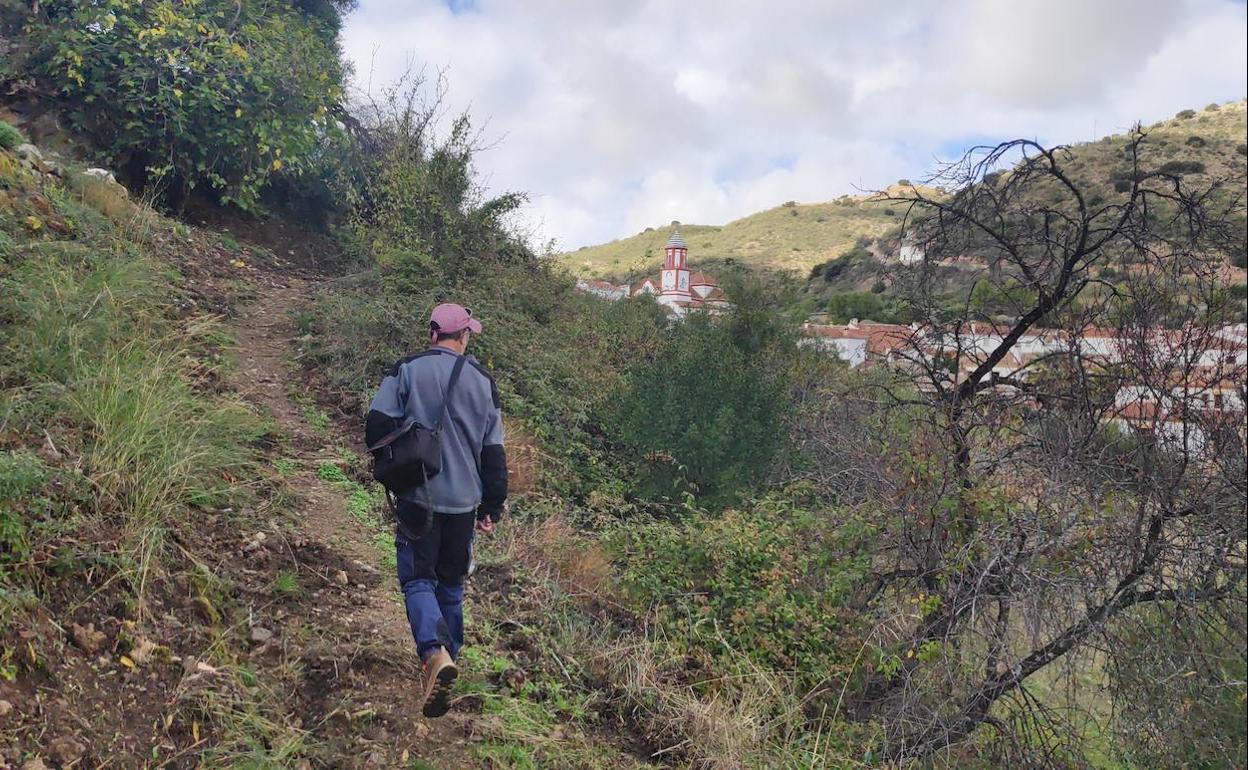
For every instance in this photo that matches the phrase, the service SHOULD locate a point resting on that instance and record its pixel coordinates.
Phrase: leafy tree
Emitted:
(704, 414)
(846, 306)
(213, 94)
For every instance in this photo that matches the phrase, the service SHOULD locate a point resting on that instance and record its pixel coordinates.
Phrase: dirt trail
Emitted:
(361, 672)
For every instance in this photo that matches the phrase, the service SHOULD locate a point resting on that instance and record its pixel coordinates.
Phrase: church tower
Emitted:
(675, 278)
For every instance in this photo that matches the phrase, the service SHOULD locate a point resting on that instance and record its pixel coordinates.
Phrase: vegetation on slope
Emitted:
(1200, 148)
(791, 237)
(208, 95)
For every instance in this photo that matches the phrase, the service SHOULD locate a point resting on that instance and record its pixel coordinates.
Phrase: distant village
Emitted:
(1207, 388)
(1212, 387)
(676, 288)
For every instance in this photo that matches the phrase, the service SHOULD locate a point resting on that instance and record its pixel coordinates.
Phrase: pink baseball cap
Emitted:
(449, 318)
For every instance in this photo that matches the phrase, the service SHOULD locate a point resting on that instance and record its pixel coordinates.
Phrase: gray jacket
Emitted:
(474, 465)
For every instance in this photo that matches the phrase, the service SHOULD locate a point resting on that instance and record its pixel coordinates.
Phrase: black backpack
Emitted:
(407, 457)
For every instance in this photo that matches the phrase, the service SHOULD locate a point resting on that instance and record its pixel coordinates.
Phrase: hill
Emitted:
(792, 237)
(1199, 146)
(798, 237)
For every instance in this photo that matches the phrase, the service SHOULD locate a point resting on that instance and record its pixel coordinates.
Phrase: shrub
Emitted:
(752, 582)
(213, 93)
(846, 306)
(10, 137)
(1211, 107)
(1195, 141)
(703, 414)
(1181, 167)
(903, 182)
(1185, 114)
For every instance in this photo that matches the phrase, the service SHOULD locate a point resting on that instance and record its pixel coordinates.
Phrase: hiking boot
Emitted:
(440, 674)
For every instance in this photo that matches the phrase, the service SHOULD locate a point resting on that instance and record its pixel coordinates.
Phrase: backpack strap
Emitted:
(446, 397)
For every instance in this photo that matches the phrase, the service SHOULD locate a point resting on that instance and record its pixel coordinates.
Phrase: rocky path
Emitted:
(361, 675)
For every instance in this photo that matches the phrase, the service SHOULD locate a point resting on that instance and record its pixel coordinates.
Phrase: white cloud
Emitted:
(616, 116)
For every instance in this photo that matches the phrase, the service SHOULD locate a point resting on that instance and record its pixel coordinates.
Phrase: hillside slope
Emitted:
(797, 237)
(790, 237)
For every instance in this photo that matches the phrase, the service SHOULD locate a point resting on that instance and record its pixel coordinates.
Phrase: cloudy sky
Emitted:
(616, 115)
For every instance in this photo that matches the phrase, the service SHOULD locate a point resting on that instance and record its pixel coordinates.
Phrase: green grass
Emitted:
(85, 340)
(286, 583)
(313, 415)
(10, 137)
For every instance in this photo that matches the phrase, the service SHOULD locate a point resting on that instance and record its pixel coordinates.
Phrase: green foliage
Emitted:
(1009, 298)
(328, 471)
(863, 305)
(771, 581)
(704, 414)
(1180, 167)
(10, 137)
(416, 206)
(197, 94)
(1185, 114)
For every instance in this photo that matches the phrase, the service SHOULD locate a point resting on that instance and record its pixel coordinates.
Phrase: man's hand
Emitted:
(485, 523)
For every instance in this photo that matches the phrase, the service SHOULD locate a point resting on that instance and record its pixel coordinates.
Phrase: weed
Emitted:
(328, 471)
(385, 545)
(10, 137)
(285, 583)
(313, 415)
(284, 466)
(360, 505)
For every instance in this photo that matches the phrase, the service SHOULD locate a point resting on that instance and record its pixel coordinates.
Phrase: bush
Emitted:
(753, 582)
(703, 415)
(846, 306)
(1181, 167)
(1185, 114)
(214, 94)
(1195, 141)
(10, 137)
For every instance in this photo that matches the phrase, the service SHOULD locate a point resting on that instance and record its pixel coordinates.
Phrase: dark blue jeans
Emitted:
(431, 570)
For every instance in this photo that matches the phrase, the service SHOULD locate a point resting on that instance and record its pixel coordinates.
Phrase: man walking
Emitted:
(434, 532)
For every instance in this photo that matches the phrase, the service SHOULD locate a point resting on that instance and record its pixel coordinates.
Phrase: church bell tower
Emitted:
(675, 276)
